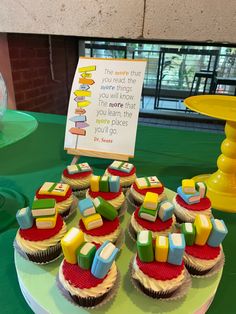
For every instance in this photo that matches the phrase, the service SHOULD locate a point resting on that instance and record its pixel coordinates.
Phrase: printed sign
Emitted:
(103, 108)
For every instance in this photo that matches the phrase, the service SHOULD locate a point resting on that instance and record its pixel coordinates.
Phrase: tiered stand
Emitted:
(221, 185)
(38, 285)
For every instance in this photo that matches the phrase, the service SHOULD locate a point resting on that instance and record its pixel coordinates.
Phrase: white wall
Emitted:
(190, 20)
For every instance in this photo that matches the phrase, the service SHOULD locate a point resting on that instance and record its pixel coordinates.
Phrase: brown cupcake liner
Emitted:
(90, 302)
(125, 189)
(80, 193)
(120, 240)
(71, 211)
(131, 232)
(123, 209)
(209, 272)
(132, 204)
(170, 295)
(41, 257)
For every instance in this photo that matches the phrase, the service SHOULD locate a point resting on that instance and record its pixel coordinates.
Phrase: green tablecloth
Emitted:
(170, 154)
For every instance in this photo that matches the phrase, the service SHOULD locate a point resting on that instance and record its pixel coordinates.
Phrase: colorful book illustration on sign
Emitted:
(80, 119)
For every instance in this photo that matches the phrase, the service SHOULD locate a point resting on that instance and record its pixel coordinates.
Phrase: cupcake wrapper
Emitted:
(90, 302)
(120, 240)
(170, 295)
(71, 211)
(80, 194)
(132, 205)
(179, 220)
(123, 209)
(207, 273)
(132, 233)
(125, 189)
(41, 257)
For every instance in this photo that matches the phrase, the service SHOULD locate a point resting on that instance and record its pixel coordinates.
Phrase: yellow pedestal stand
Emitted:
(221, 185)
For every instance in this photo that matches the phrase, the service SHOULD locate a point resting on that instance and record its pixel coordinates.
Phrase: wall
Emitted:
(5, 69)
(35, 88)
(185, 20)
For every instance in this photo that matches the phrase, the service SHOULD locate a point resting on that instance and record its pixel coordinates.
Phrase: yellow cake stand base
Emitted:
(221, 185)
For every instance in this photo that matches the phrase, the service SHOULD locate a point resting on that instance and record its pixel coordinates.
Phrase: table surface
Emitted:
(216, 106)
(170, 154)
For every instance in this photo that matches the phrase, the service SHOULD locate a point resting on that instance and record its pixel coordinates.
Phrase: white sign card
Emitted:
(103, 108)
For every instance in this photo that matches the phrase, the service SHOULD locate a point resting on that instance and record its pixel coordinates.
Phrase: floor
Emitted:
(171, 109)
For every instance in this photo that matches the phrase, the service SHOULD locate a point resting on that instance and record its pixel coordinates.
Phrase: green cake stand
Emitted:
(39, 287)
(14, 126)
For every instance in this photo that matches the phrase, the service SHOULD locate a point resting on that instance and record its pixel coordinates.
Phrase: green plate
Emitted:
(14, 126)
(38, 284)
(10, 202)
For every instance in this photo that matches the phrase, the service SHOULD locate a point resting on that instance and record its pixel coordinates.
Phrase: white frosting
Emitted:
(201, 264)
(75, 184)
(101, 239)
(137, 227)
(189, 215)
(32, 247)
(157, 285)
(97, 291)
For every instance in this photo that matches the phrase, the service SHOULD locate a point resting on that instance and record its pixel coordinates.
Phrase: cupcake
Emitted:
(99, 221)
(140, 187)
(78, 178)
(126, 172)
(101, 187)
(66, 203)
(204, 253)
(39, 239)
(155, 216)
(157, 269)
(89, 272)
(191, 201)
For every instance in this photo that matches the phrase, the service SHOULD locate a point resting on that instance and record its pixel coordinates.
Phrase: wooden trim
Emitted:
(94, 153)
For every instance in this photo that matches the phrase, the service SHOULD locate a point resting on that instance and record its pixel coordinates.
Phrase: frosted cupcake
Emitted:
(100, 187)
(140, 187)
(159, 271)
(66, 203)
(126, 172)
(190, 201)
(39, 241)
(78, 178)
(99, 221)
(159, 221)
(88, 272)
(204, 253)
